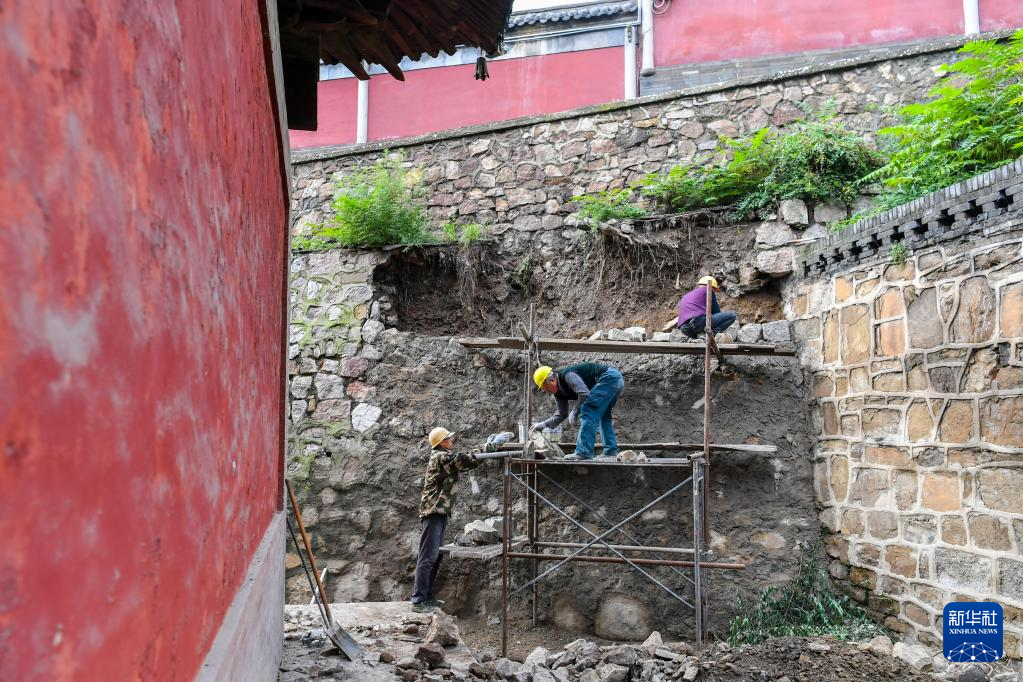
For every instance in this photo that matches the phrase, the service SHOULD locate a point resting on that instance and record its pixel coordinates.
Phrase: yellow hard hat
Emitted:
(541, 374)
(439, 435)
(707, 279)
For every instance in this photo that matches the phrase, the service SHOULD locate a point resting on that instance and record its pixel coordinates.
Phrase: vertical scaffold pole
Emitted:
(533, 521)
(504, 557)
(698, 549)
(705, 478)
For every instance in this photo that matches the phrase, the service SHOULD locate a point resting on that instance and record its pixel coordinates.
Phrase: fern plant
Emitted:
(609, 204)
(383, 204)
(973, 123)
(815, 160)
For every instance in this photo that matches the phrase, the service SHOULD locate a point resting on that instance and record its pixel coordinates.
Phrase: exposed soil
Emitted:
(482, 290)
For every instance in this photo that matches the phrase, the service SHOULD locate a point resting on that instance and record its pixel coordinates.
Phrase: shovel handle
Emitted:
(308, 549)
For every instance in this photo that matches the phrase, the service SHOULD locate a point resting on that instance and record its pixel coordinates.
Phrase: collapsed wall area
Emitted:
(365, 394)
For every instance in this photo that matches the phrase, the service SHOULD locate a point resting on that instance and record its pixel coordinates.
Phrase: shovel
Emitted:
(341, 639)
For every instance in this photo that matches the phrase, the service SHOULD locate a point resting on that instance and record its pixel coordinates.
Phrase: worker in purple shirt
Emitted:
(692, 310)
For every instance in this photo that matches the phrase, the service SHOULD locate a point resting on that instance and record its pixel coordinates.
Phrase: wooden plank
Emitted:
(663, 462)
(667, 447)
(652, 347)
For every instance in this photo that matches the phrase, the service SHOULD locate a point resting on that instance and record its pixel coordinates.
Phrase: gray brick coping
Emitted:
(950, 213)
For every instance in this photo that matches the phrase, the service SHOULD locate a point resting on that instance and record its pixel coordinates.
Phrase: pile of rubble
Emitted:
(790, 659)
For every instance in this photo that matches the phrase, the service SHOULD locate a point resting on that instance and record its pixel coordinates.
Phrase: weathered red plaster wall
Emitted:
(693, 31)
(140, 322)
(998, 14)
(449, 97)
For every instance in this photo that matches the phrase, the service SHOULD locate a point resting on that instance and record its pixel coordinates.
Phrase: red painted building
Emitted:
(563, 57)
(144, 194)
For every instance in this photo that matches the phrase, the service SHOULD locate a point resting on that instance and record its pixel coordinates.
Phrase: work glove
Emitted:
(573, 417)
(499, 438)
(538, 426)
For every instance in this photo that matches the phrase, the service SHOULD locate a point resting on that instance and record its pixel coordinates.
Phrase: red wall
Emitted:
(999, 14)
(448, 97)
(141, 255)
(693, 31)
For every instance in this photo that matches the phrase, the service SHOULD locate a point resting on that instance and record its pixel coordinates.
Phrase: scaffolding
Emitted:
(526, 474)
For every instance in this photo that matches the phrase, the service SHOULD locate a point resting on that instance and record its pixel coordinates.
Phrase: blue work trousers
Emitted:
(596, 409)
(719, 322)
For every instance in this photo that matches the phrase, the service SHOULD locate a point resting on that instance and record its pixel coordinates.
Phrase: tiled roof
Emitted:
(574, 12)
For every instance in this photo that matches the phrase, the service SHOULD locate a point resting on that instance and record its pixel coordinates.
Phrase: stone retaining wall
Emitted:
(523, 173)
(918, 384)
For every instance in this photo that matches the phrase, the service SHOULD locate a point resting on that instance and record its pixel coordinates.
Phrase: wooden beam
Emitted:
(666, 447)
(652, 347)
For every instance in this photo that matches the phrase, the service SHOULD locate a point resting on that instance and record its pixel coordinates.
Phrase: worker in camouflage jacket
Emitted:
(439, 489)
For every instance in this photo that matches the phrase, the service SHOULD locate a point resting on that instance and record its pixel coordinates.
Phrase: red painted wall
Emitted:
(336, 103)
(448, 97)
(999, 14)
(694, 31)
(141, 256)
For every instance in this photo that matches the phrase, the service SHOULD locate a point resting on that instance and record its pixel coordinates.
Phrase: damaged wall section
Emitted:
(365, 393)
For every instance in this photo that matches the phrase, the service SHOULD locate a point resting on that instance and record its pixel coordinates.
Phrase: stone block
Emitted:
(899, 273)
(883, 525)
(1010, 579)
(929, 457)
(904, 489)
(776, 262)
(832, 329)
(879, 423)
(943, 379)
(774, 234)
(1002, 420)
(776, 331)
(793, 212)
(329, 386)
(870, 487)
(830, 419)
(840, 478)
(868, 555)
(855, 324)
(867, 286)
(898, 457)
(863, 577)
(901, 560)
(1001, 489)
(919, 528)
(957, 422)
(940, 491)
(918, 615)
(1011, 311)
(829, 212)
(922, 323)
(365, 417)
(989, 532)
(353, 367)
(843, 289)
(959, 570)
(852, 522)
(621, 617)
(859, 380)
(981, 371)
(332, 410)
(889, 304)
(300, 386)
(919, 423)
(891, 338)
(974, 320)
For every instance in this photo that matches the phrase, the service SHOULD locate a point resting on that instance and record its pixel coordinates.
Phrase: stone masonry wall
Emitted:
(918, 384)
(521, 175)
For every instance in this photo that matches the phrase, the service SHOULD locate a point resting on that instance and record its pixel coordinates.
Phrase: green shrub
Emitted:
(609, 204)
(803, 608)
(465, 235)
(380, 205)
(973, 123)
(811, 160)
(898, 254)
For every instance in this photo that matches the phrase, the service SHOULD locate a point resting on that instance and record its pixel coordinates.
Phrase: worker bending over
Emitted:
(692, 311)
(439, 489)
(596, 388)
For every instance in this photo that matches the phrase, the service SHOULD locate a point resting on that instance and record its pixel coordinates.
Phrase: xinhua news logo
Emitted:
(973, 632)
